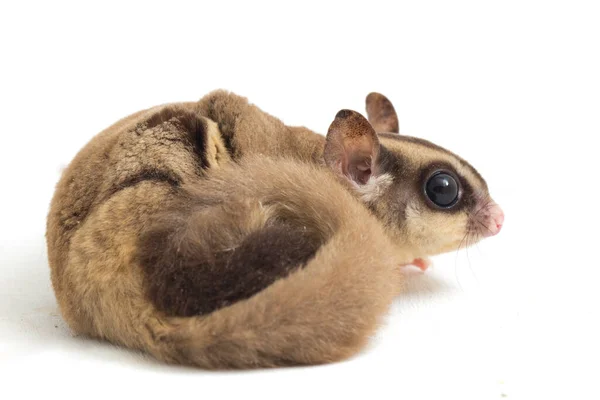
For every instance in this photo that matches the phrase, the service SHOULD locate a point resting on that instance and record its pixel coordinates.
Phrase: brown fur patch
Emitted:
(247, 130)
(186, 276)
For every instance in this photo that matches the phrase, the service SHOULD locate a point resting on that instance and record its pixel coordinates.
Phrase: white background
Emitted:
(512, 86)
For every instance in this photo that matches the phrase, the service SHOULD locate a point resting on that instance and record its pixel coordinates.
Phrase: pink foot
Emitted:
(421, 263)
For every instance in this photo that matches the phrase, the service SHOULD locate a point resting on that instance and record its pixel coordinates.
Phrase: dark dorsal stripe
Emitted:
(429, 145)
(150, 174)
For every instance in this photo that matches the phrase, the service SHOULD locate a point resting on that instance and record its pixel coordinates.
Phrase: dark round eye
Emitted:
(442, 189)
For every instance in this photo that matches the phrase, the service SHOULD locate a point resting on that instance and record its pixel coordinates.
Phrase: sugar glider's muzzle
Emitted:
(495, 220)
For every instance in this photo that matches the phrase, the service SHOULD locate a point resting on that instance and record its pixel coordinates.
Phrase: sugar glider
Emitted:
(211, 234)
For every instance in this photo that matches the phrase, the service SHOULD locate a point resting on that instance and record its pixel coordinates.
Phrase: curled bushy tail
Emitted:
(322, 313)
(286, 301)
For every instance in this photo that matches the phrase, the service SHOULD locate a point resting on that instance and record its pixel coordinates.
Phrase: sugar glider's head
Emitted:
(430, 199)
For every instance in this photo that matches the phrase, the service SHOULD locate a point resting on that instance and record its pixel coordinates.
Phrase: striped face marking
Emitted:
(430, 199)
(437, 202)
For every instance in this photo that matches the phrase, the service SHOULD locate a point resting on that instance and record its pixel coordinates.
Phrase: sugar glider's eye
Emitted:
(442, 189)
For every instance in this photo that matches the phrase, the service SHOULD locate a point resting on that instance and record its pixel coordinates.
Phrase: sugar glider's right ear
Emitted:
(351, 147)
(382, 114)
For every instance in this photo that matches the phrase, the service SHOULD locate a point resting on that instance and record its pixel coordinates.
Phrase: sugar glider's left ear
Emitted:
(351, 147)
(382, 114)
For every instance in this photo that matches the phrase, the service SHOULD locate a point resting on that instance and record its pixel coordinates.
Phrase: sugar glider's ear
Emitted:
(382, 114)
(351, 147)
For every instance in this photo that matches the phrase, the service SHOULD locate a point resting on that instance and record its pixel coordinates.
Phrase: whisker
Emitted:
(456, 259)
(486, 206)
(469, 259)
(482, 224)
(469, 239)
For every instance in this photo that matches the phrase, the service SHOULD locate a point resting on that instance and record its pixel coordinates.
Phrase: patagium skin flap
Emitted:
(211, 234)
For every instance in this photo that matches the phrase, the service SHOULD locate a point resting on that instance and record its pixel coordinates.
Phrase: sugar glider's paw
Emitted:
(421, 263)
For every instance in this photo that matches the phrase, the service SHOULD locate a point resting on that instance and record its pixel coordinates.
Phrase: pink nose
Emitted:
(495, 221)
